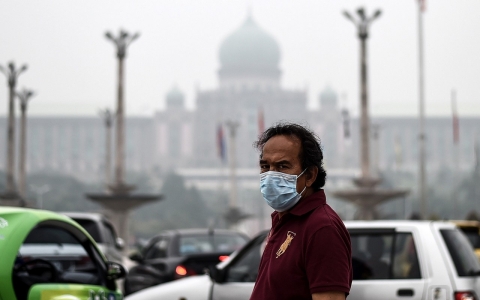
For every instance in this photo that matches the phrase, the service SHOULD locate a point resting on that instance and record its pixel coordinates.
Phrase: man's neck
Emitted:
(307, 193)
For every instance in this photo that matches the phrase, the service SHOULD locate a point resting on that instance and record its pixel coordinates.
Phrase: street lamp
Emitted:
(12, 74)
(121, 42)
(107, 117)
(24, 96)
(362, 23)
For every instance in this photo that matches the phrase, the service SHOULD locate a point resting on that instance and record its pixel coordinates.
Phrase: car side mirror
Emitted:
(136, 256)
(115, 271)
(119, 243)
(216, 274)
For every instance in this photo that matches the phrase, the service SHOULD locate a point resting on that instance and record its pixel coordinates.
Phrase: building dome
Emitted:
(175, 97)
(328, 98)
(249, 49)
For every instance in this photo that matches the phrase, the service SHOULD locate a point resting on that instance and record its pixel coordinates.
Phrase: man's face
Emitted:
(282, 154)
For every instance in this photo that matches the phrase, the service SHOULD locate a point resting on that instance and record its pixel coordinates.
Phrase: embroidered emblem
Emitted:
(288, 241)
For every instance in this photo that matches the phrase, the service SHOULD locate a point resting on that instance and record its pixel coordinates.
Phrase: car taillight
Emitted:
(182, 271)
(223, 257)
(465, 296)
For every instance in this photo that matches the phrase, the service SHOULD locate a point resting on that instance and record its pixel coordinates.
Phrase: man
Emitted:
(308, 251)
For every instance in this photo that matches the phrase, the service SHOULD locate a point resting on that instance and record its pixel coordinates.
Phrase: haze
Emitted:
(73, 67)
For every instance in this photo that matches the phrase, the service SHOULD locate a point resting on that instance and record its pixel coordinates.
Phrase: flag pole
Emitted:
(421, 136)
(456, 149)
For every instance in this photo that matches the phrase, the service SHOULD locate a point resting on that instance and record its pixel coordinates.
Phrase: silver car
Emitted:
(102, 232)
(391, 260)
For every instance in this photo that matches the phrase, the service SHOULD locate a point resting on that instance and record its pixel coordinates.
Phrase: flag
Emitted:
(261, 122)
(455, 123)
(220, 142)
(423, 5)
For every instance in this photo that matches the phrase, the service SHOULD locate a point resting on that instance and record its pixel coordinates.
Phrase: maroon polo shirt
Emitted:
(308, 251)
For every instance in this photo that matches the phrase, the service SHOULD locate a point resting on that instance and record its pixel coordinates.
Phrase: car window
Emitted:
(109, 234)
(472, 235)
(245, 268)
(158, 249)
(91, 227)
(52, 254)
(461, 252)
(210, 243)
(384, 256)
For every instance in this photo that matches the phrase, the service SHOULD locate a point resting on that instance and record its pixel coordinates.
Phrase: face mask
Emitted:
(279, 190)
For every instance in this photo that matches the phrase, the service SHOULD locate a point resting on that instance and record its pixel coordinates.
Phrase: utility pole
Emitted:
(422, 176)
(121, 42)
(12, 75)
(24, 96)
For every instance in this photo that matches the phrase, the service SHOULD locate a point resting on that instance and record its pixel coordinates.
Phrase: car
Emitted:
(102, 231)
(175, 254)
(46, 255)
(472, 231)
(390, 259)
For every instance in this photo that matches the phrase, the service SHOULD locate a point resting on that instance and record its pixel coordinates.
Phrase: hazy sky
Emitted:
(73, 67)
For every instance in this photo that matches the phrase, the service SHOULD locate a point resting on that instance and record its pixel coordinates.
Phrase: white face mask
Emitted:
(279, 190)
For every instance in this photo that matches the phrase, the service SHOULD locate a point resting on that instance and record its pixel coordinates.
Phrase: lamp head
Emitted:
(348, 16)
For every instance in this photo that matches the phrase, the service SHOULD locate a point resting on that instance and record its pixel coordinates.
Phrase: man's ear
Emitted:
(311, 175)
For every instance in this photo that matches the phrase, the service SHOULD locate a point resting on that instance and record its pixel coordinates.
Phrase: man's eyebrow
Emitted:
(283, 162)
(262, 161)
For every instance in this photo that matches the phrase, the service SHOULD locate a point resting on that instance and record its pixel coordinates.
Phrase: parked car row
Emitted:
(176, 254)
(45, 255)
(391, 260)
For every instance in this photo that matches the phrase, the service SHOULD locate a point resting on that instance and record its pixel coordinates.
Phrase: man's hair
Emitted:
(311, 154)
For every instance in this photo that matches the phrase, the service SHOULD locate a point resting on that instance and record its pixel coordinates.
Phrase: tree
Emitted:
(181, 207)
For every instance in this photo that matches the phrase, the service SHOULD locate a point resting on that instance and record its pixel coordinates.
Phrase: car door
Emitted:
(58, 261)
(240, 273)
(385, 265)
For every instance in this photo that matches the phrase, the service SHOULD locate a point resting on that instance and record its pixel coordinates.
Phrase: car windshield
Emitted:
(192, 244)
(461, 252)
(91, 227)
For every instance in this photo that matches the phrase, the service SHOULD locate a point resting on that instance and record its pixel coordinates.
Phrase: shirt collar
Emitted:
(305, 205)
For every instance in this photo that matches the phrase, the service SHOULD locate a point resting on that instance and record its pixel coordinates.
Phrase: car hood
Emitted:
(190, 288)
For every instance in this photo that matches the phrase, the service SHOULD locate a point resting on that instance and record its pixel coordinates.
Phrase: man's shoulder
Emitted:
(323, 216)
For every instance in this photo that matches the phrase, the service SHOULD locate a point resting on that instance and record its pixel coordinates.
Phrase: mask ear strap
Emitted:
(302, 173)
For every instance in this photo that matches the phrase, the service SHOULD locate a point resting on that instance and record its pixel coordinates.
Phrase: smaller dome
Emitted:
(328, 98)
(175, 97)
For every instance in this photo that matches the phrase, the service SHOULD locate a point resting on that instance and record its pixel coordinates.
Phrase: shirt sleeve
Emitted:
(328, 260)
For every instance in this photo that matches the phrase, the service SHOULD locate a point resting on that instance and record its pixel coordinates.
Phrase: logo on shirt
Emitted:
(288, 241)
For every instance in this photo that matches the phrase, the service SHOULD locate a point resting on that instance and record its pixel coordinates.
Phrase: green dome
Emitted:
(175, 97)
(328, 98)
(249, 48)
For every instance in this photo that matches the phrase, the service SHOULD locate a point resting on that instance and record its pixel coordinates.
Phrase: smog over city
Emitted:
(148, 110)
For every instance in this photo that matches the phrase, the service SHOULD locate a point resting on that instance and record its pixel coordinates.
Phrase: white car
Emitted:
(391, 260)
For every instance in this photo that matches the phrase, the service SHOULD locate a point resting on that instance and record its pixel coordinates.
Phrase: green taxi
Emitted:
(47, 256)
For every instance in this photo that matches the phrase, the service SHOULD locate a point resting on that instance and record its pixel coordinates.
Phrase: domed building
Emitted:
(249, 86)
(249, 94)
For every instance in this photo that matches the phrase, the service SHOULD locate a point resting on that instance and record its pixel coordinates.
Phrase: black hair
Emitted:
(311, 154)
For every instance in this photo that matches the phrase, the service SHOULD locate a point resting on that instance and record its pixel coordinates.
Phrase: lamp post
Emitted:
(24, 96)
(232, 126)
(363, 23)
(121, 42)
(12, 74)
(108, 118)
